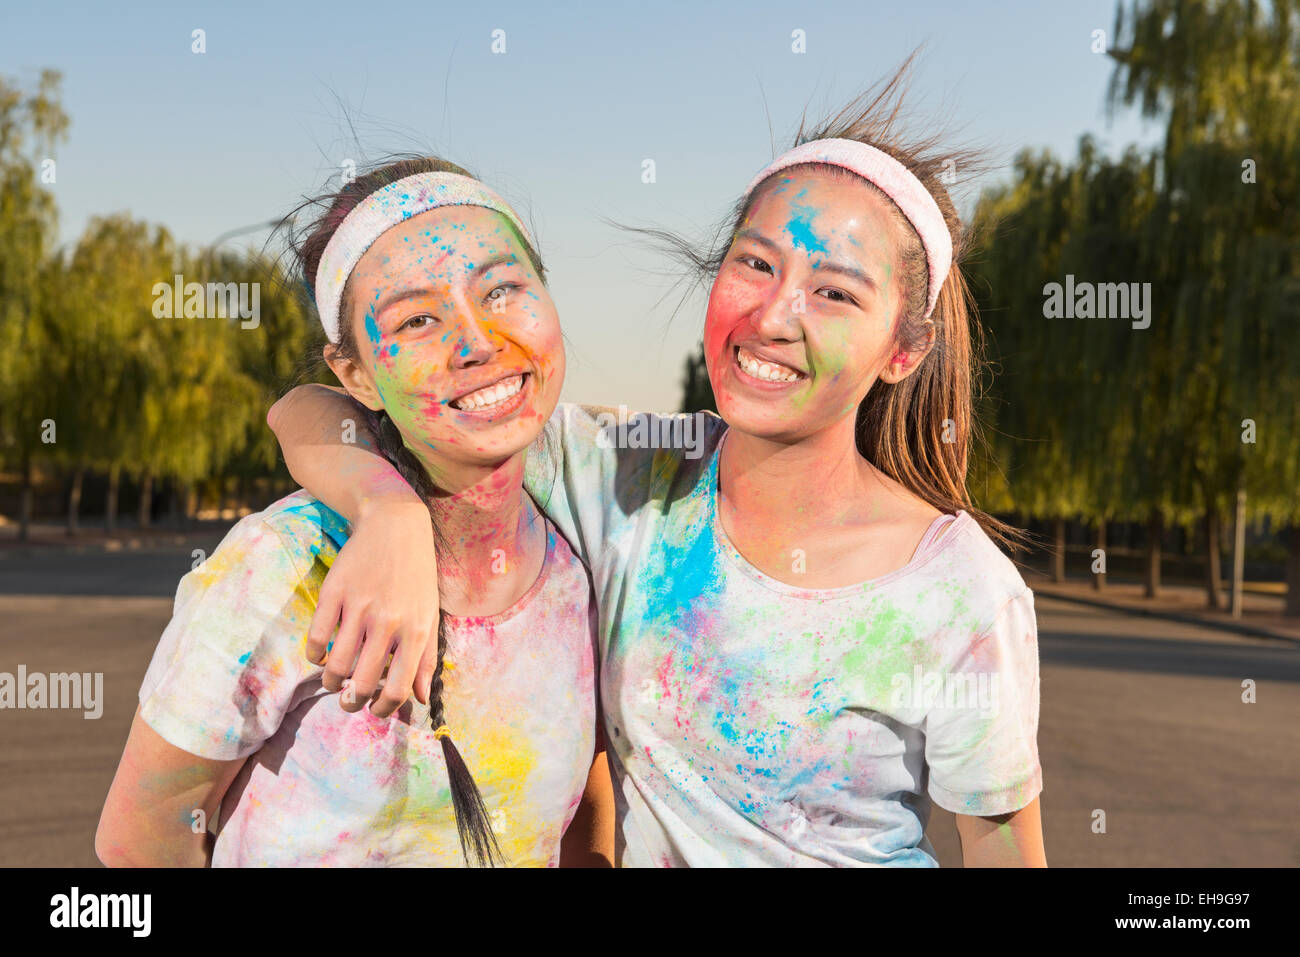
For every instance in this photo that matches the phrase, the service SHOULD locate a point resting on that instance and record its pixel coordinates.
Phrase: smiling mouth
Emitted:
(765, 370)
(497, 397)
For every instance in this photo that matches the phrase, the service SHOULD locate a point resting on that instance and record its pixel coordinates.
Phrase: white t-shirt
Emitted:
(322, 786)
(751, 722)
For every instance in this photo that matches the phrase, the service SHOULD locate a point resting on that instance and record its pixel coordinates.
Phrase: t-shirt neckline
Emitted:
(470, 621)
(925, 549)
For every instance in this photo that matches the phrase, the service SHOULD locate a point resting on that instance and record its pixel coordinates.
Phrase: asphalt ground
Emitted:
(1143, 727)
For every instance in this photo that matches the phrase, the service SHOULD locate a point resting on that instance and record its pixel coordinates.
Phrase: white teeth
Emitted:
(765, 370)
(491, 395)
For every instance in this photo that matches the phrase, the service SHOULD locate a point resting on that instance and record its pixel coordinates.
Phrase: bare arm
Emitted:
(149, 818)
(331, 452)
(589, 841)
(1005, 840)
(368, 593)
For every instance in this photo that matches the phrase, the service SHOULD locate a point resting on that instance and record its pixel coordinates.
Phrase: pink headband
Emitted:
(895, 181)
(380, 212)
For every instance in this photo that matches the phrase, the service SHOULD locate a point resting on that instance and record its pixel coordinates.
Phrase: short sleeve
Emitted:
(981, 732)
(593, 469)
(231, 660)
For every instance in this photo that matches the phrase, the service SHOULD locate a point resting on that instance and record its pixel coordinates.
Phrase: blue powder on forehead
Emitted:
(800, 229)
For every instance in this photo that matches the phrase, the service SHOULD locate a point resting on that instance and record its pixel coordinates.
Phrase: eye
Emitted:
(504, 289)
(419, 321)
(753, 262)
(837, 295)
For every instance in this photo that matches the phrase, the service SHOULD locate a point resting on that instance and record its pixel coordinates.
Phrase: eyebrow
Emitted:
(414, 292)
(842, 269)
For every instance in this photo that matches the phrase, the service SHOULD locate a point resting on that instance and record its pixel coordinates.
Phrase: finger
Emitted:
(328, 609)
(371, 663)
(400, 678)
(428, 665)
(343, 653)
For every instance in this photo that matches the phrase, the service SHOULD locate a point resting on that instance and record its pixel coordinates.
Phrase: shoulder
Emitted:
(561, 560)
(283, 541)
(627, 449)
(305, 523)
(985, 575)
(608, 427)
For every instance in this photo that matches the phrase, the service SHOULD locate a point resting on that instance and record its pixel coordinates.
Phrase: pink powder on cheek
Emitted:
(724, 316)
(431, 409)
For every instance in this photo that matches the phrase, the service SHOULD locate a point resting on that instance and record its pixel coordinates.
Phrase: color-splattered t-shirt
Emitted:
(322, 786)
(751, 722)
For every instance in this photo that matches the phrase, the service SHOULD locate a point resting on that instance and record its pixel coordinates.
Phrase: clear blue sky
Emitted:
(560, 123)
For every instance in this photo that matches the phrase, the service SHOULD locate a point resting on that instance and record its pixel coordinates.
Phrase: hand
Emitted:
(382, 593)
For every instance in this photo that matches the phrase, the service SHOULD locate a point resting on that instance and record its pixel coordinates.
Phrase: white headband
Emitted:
(893, 179)
(380, 212)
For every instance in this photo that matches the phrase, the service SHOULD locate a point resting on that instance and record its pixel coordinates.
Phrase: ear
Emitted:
(355, 378)
(904, 362)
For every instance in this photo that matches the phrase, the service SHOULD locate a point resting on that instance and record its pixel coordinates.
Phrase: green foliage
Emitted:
(27, 227)
(81, 344)
(697, 391)
(1092, 416)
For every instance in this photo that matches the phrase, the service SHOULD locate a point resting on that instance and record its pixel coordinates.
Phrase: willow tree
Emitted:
(282, 349)
(1224, 76)
(196, 401)
(30, 125)
(1035, 410)
(103, 310)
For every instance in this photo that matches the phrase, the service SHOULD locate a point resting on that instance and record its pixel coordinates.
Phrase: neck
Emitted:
(484, 520)
(778, 485)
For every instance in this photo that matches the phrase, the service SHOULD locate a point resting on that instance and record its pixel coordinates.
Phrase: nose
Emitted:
(777, 319)
(476, 343)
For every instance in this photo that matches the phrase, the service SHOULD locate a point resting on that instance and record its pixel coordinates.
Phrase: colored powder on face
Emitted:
(800, 229)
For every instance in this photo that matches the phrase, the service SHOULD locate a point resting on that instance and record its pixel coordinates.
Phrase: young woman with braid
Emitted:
(440, 327)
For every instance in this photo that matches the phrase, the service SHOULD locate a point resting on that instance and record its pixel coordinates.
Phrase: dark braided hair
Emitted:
(472, 823)
(477, 840)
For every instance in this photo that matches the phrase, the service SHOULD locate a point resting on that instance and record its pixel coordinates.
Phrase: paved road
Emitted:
(1141, 719)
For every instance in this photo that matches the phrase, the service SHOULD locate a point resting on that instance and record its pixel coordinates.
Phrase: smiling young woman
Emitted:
(440, 328)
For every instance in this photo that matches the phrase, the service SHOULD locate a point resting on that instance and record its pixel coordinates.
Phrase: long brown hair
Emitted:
(477, 839)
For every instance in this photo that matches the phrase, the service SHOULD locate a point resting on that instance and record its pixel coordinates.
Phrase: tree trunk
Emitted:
(1099, 578)
(1155, 529)
(1292, 538)
(74, 501)
(191, 502)
(1213, 571)
(110, 501)
(175, 503)
(146, 498)
(1239, 554)
(25, 499)
(1058, 550)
